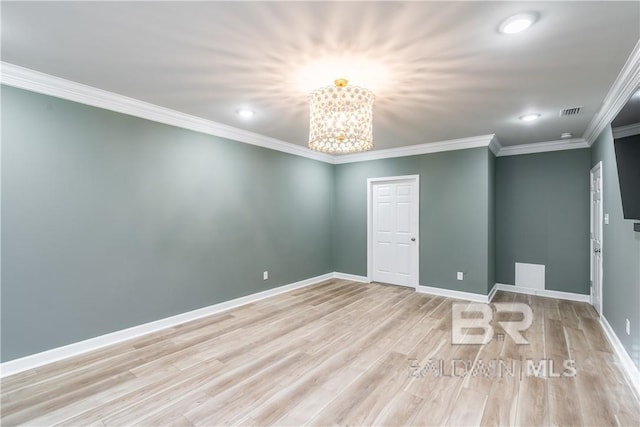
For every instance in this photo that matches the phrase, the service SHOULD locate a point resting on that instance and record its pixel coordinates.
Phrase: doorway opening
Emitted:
(596, 237)
(393, 244)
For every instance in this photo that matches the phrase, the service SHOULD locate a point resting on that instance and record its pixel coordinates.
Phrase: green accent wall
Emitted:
(620, 253)
(542, 217)
(454, 216)
(491, 230)
(110, 221)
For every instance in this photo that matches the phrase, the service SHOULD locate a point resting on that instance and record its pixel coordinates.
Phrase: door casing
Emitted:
(596, 283)
(416, 253)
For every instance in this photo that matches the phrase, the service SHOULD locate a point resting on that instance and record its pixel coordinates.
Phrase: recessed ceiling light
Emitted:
(517, 23)
(245, 113)
(529, 117)
(566, 135)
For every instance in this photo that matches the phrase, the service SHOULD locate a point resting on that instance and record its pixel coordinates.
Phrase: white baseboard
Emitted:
(35, 360)
(492, 292)
(629, 368)
(450, 293)
(542, 293)
(351, 277)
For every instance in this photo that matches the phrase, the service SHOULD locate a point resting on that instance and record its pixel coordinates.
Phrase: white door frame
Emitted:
(591, 248)
(370, 183)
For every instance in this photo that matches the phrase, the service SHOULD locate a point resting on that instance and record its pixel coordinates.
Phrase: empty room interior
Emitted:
(320, 213)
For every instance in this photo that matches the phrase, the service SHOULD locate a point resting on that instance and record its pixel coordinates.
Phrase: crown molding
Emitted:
(495, 146)
(624, 86)
(541, 147)
(628, 130)
(35, 81)
(414, 150)
(24, 78)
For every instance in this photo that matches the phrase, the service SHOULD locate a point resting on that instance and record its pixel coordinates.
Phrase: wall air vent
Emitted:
(570, 111)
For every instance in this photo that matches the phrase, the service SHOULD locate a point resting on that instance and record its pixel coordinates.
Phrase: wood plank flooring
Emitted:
(337, 353)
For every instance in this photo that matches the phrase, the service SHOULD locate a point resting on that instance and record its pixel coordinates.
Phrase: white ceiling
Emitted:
(440, 70)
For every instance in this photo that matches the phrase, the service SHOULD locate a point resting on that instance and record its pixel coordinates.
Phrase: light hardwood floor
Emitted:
(336, 353)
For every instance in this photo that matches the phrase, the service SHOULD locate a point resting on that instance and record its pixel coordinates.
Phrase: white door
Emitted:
(393, 230)
(596, 237)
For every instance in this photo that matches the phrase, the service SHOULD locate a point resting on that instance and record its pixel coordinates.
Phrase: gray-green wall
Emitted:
(620, 252)
(110, 221)
(455, 191)
(491, 230)
(542, 217)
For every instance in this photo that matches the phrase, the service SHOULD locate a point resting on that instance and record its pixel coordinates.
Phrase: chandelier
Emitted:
(341, 119)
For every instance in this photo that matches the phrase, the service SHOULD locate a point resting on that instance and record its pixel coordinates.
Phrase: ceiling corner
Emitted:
(625, 85)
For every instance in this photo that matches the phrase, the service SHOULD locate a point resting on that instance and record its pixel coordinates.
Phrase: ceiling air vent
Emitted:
(570, 111)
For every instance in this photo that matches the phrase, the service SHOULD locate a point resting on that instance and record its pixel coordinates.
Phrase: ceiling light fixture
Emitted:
(530, 117)
(566, 135)
(341, 119)
(517, 23)
(245, 113)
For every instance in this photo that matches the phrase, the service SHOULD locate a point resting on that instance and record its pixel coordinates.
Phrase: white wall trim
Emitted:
(351, 277)
(24, 78)
(39, 359)
(600, 225)
(631, 371)
(625, 85)
(492, 292)
(570, 296)
(542, 147)
(628, 130)
(34, 81)
(450, 293)
(494, 145)
(35, 360)
(414, 150)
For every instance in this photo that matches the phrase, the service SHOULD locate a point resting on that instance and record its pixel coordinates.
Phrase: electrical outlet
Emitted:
(606, 219)
(628, 327)
(265, 275)
(460, 275)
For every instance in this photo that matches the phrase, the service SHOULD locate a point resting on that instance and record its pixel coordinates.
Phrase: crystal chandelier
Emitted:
(341, 119)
